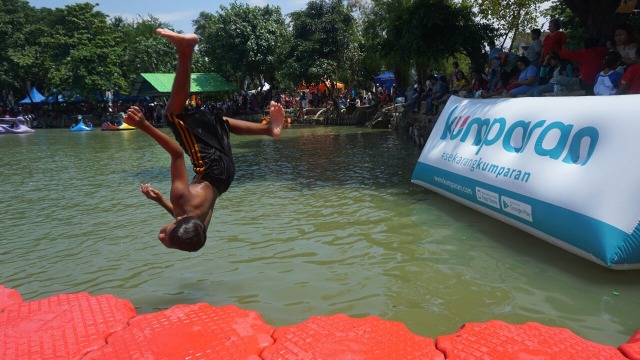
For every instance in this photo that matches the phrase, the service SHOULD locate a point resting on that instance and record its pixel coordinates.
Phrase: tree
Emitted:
(510, 17)
(81, 50)
(408, 34)
(597, 18)
(143, 51)
(15, 39)
(324, 45)
(242, 41)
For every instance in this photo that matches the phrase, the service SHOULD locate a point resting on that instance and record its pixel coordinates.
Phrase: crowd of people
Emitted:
(601, 67)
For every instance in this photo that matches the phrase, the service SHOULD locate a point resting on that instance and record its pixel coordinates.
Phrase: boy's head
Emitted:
(612, 59)
(188, 234)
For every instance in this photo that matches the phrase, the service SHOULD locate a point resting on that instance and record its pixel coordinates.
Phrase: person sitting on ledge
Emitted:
(527, 80)
(607, 80)
(630, 83)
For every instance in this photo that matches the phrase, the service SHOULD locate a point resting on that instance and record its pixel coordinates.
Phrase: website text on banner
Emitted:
(563, 169)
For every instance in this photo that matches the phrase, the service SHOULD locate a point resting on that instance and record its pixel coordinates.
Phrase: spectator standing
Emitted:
(534, 51)
(303, 100)
(494, 64)
(554, 41)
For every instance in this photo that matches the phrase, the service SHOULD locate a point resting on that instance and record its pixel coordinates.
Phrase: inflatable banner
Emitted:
(563, 169)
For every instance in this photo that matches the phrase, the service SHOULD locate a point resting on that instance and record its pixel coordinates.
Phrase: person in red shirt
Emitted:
(554, 41)
(591, 62)
(630, 83)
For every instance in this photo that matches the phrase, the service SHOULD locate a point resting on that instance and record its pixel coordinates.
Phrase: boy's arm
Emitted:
(179, 177)
(155, 195)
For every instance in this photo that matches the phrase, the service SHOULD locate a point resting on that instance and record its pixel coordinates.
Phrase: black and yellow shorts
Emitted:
(205, 138)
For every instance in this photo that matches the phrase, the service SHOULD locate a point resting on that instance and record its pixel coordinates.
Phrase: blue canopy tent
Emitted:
(33, 98)
(386, 79)
(58, 98)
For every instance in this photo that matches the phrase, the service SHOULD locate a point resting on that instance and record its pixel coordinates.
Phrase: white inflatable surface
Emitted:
(561, 168)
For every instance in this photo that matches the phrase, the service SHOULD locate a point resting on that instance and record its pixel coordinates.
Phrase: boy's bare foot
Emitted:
(276, 121)
(180, 41)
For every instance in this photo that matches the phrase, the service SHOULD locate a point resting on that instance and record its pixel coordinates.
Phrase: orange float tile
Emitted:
(497, 340)
(9, 297)
(61, 327)
(198, 331)
(632, 348)
(342, 337)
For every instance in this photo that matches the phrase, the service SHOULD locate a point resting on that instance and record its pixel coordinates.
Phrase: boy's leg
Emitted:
(184, 43)
(273, 128)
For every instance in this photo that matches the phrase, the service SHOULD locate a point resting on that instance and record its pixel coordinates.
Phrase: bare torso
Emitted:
(198, 202)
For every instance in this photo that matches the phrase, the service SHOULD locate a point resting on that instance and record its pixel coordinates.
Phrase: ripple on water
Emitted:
(322, 221)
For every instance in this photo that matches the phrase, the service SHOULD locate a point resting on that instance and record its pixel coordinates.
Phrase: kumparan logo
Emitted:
(574, 146)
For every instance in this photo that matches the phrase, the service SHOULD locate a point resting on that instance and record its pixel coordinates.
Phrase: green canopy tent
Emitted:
(159, 84)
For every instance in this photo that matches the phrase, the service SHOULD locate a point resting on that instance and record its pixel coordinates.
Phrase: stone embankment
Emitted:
(395, 117)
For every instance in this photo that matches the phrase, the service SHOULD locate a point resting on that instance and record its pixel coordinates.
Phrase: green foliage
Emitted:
(143, 51)
(324, 44)
(419, 34)
(79, 50)
(582, 19)
(81, 46)
(510, 17)
(242, 41)
(15, 27)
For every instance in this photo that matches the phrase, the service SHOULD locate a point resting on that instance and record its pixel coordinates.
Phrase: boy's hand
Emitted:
(150, 193)
(135, 117)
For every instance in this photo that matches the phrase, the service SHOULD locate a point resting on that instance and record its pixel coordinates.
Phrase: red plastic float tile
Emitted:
(632, 348)
(64, 326)
(9, 297)
(342, 337)
(198, 331)
(497, 340)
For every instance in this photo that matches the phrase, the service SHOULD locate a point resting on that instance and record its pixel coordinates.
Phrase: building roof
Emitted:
(154, 84)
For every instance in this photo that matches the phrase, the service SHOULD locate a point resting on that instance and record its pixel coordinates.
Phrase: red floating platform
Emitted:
(342, 337)
(632, 348)
(61, 326)
(81, 326)
(198, 331)
(497, 340)
(8, 297)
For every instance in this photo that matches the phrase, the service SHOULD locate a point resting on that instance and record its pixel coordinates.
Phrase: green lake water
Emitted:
(324, 220)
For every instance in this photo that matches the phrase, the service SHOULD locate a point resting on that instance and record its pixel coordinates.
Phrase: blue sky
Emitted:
(177, 13)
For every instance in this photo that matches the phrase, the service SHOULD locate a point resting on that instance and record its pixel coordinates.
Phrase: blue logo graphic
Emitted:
(487, 132)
